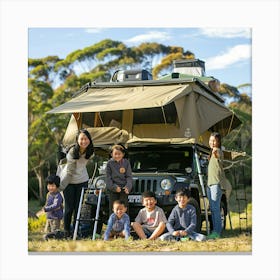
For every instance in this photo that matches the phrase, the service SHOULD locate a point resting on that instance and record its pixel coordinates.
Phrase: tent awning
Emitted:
(112, 99)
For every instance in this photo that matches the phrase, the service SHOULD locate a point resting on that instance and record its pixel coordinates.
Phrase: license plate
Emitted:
(134, 198)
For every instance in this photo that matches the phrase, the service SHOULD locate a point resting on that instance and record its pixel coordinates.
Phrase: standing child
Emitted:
(150, 221)
(119, 222)
(53, 206)
(182, 220)
(216, 177)
(118, 176)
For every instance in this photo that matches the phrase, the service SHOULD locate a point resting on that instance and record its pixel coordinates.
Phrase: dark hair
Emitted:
(53, 179)
(218, 137)
(89, 149)
(120, 202)
(118, 147)
(149, 194)
(183, 192)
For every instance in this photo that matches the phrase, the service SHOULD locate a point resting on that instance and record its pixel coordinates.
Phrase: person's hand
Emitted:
(118, 189)
(215, 152)
(126, 190)
(176, 233)
(183, 233)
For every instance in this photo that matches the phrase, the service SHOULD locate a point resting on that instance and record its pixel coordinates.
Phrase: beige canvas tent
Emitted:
(148, 111)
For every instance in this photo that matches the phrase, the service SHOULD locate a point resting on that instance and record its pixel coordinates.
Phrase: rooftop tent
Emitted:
(123, 98)
(162, 112)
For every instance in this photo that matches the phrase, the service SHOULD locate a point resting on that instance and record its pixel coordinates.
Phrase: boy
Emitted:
(150, 221)
(119, 222)
(182, 220)
(53, 206)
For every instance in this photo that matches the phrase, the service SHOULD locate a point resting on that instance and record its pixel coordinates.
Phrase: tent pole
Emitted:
(163, 113)
(202, 188)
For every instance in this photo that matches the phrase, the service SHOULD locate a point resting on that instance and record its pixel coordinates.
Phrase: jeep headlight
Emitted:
(165, 184)
(100, 184)
(188, 170)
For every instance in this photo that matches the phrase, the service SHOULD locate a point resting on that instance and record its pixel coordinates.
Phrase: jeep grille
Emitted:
(142, 185)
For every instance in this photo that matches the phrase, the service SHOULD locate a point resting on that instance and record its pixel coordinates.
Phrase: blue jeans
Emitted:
(214, 194)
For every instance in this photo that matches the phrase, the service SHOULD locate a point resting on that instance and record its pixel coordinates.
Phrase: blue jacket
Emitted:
(54, 206)
(118, 225)
(182, 219)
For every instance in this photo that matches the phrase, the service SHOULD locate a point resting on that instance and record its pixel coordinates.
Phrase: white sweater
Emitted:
(76, 171)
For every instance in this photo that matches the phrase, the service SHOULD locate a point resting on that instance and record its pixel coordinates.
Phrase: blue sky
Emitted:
(226, 51)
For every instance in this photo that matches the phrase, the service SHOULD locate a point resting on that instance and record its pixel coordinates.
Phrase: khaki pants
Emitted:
(52, 225)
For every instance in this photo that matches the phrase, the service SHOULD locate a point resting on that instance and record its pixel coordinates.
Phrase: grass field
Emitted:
(237, 239)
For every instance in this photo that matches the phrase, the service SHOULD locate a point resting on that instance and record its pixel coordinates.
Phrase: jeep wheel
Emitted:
(194, 203)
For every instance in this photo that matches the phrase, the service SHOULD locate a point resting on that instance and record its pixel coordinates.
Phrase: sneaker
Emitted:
(184, 238)
(97, 236)
(213, 235)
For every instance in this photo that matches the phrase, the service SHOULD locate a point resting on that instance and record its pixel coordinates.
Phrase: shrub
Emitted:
(36, 224)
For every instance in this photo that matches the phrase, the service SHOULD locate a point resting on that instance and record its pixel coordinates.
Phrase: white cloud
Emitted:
(94, 30)
(236, 54)
(226, 32)
(152, 35)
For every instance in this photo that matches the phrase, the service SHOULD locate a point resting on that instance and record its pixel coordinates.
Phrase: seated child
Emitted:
(53, 206)
(119, 222)
(182, 220)
(150, 221)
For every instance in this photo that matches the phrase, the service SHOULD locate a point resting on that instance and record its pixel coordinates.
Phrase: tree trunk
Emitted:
(40, 176)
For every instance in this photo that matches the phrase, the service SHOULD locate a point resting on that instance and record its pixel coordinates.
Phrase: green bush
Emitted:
(36, 224)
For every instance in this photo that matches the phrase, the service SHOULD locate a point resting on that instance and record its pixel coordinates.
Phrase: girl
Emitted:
(215, 178)
(118, 176)
(76, 176)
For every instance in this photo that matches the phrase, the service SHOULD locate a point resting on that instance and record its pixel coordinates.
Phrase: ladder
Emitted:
(241, 196)
(84, 211)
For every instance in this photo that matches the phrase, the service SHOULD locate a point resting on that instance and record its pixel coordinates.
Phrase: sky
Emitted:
(226, 51)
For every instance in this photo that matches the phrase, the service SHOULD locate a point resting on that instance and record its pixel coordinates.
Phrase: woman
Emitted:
(76, 176)
(216, 177)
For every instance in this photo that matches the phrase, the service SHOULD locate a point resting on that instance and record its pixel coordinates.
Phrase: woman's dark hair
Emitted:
(218, 137)
(89, 149)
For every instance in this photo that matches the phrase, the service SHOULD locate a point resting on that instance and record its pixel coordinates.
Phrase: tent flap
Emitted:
(112, 99)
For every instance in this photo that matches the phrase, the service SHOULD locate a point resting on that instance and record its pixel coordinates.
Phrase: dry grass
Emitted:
(240, 243)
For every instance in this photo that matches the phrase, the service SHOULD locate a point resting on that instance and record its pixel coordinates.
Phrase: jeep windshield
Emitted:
(163, 159)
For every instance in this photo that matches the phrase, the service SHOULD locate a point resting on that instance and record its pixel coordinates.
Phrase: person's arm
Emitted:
(191, 227)
(70, 169)
(109, 181)
(128, 177)
(171, 222)
(109, 228)
(138, 218)
(57, 201)
(158, 231)
(127, 227)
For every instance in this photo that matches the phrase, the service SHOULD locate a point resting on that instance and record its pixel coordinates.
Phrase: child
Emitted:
(118, 176)
(119, 222)
(150, 221)
(53, 206)
(182, 220)
(216, 178)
